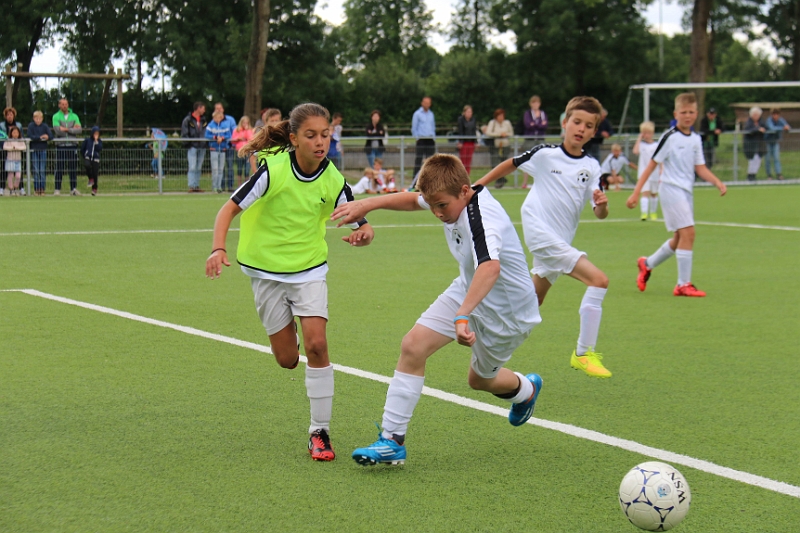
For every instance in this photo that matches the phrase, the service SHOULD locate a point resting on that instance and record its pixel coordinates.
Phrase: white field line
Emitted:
(581, 433)
(378, 226)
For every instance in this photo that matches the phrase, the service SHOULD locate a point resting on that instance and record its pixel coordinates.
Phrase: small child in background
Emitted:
(384, 176)
(90, 150)
(612, 166)
(14, 146)
(366, 185)
(645, 147)
(242, 135)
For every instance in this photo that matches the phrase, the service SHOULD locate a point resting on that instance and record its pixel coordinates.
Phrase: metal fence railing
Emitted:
(145, 165)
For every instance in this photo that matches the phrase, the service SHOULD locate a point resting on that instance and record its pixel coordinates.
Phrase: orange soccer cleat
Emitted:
(688, 289)
(644, 274)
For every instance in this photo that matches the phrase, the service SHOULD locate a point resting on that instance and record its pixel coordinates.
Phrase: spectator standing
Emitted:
(754, 148)
(376, 131)
(230, 155)
(9, 116)
(423, 128)
(534, 122)
(262, 119)
(497, 132)
(13, 147)
(242, 135)
(710, 129)
(776, 125)
(92, 146)
(66, 125)
(335, 152)
(39, 133)
(194, 127)
(467, 135)
(271, 116)
(604, 131)
(219, 133)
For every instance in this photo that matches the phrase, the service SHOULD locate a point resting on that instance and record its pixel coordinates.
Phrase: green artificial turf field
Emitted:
(111, 424)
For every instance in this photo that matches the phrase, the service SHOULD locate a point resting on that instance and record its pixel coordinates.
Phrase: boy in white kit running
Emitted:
(645, 147)
(565, 178)
(613, 165)
(681, 152)
(491, 306)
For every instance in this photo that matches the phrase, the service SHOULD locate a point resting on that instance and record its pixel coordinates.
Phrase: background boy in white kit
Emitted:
(491, 306)
(681, 152)
(613, 165)
(565, 178)
(645, 147)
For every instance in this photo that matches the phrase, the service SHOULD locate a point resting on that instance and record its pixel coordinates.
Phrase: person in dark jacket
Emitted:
(466, 132)
(39, 133)
(376, 132)
(92, 146)
(710, 129)
(754, 147)
(194, 127)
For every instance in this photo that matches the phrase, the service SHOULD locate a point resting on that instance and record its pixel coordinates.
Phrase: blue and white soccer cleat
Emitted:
(521, 412)
(382, 451)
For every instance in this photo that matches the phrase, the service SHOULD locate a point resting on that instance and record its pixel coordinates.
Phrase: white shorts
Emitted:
(677, 205)
(555, 259)
(278, 303)
(652, 184)
(490, 351)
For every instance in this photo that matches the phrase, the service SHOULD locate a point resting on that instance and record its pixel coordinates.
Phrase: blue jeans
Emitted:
(773, 157)
(196, 157)
(372, 153)
(217, 168)
(38, 166)
(154, 165)
(243, 167)
(230, 156)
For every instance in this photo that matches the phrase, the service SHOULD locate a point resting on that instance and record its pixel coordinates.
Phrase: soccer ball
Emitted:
(654, 496)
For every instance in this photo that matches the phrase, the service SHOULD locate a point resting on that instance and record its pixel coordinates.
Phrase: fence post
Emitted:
(160, 176)
(736, 153)
(403, 162)
(28, 189)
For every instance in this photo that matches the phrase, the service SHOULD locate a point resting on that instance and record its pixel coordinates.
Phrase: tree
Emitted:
(375, 28)
(781, 19)
(256, 59)
(471, 23)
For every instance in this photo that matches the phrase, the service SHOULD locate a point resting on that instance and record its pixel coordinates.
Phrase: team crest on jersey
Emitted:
(457, 236)
(584, 175)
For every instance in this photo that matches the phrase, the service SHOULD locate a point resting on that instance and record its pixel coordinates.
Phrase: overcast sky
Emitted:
(332, 11)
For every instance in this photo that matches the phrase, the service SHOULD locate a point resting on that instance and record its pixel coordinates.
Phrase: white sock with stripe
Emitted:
(401, 399)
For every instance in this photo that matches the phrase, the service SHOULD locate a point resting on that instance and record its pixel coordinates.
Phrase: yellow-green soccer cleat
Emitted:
(590, 363)
(653, 216)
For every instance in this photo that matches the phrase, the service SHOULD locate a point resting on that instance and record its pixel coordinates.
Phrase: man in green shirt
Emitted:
(66, 125)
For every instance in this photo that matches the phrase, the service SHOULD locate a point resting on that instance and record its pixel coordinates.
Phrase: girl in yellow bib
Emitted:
(285, 205)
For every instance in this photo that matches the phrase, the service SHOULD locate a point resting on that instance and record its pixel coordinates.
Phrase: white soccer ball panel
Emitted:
(654, 496)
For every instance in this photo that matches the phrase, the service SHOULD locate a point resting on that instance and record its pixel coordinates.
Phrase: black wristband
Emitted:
(218, 249)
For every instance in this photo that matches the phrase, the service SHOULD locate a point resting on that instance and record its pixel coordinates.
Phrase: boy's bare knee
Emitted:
(316, 347)
(601, 281)
(475, 381)
(287, 358)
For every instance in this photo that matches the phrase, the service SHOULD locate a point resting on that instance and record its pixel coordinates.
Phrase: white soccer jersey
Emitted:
(679, 153)
(614, 164)
(562, 184)
(646, 151)
(484, 232)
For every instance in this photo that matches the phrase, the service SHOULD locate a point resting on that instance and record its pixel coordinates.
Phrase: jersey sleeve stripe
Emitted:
(346, 195)
(252, 189)
(526, 156)
(476, 228)
(663, 140)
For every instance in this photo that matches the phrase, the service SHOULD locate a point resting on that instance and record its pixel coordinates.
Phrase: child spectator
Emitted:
(776, 125)
(490, 307)
(644, 148)
(367, 184)
(384, 176)
(14, 146)
(565, 178)
(10, 116)
(335, 153)
(613, 165)
(39, 133)
(242, 135)
(220, 133)
(680, 150)
(286, 204)
(92, 146)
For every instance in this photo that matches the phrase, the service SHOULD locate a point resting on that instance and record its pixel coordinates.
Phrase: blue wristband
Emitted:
(460, 317)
